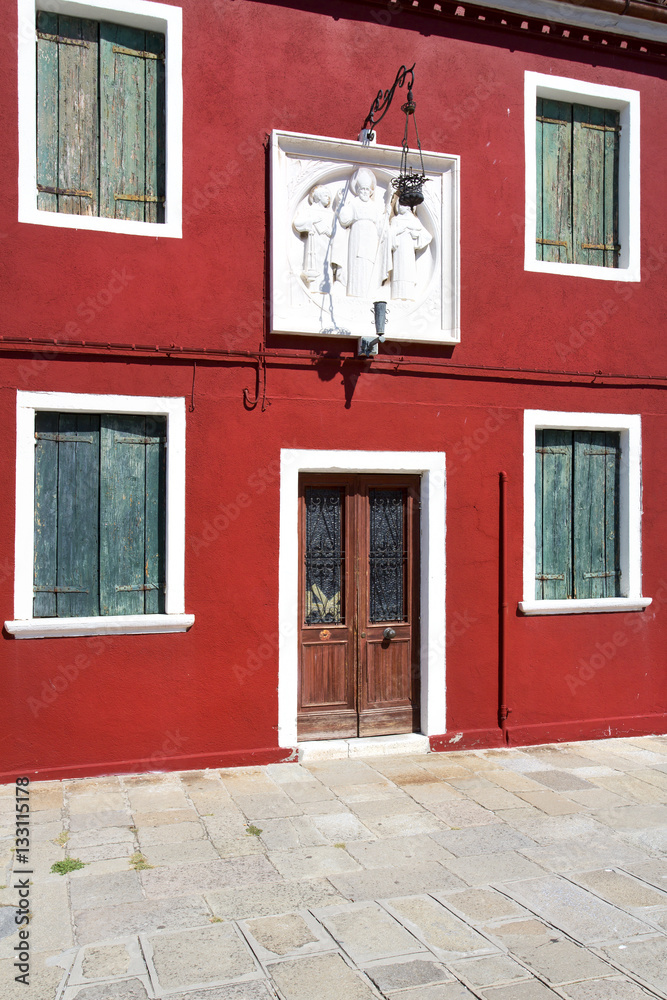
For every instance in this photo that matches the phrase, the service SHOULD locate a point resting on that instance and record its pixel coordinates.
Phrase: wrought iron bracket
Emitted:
(382, 102)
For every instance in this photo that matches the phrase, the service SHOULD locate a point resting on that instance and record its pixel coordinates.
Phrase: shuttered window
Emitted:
(577, 183)
(100, 119)
(99, 515)
(577, 514)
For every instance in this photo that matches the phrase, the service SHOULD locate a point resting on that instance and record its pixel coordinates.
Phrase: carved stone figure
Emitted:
(314, 224)
(408, 236)
(363, 215)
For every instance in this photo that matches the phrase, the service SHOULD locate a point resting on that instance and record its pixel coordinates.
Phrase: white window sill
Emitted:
(590, 606)
(583, 270)
(46, 628)
(100, 224)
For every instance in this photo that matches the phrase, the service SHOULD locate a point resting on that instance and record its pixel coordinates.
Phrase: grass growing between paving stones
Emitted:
(62, 838)
(68, 865)
(253, 831)
(139, 862)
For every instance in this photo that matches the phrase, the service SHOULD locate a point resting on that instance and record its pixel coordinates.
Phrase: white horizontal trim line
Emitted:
(585, 606)
(582, 17)
(48, 628)
(583, 270)
(99, 223)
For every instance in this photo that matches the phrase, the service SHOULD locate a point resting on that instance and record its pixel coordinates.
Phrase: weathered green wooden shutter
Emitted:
(595, 134)
(100, 489)
(132, 508)
(553, 510)
(67, 114)
(66, 515)
(577, 183)
(554, 181)
(131, 123)
(46, 515)
(595, 517)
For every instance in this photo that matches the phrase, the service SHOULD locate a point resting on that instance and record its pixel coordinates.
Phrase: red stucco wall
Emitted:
(209, 697)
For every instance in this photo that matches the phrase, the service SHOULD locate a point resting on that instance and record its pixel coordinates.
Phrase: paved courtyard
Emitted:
(522, 874)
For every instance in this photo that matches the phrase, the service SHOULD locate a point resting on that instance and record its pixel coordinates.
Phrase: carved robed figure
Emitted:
(364, 216)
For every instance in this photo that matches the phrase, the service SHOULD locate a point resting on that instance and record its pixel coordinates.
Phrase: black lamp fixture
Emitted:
(367, 347)
(410, 181)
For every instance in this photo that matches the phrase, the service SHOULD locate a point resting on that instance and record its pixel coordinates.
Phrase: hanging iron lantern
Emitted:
(410, 181)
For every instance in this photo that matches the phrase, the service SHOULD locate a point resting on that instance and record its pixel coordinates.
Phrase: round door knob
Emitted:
(389, 633)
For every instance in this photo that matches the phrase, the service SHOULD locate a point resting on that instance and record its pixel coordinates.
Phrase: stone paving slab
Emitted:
(519, 874)
(489, 971)
(505, 866)
(268, 898)
(177, 880)
(451, 991)
(621, 889)
(288, 934)
(311, 862)
(379, 883)
(445, 934)
(367, 933)
(104, 890)
(575, 911)
(123, 958)
(110, 922)
(482, 905)
(127, 989)
(563, 961)
(201, 956)
(646, 959)
(401, 974)
(482, 840)
(398, 851)
(325, 977)
(606, 989)
(654, 872)
(247, 991)
(534, 990)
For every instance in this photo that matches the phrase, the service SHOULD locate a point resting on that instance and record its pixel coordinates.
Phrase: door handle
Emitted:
(389, 633)
(363, 635)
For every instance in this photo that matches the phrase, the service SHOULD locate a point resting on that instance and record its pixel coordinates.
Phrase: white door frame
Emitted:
(430, 465)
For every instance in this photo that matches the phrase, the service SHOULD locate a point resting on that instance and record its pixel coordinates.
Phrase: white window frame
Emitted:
(134, 13)
(630, 501)
(626, 102)
(431, 466)
(25, 626)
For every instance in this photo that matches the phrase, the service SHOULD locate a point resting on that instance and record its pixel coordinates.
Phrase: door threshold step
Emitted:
(364, 746)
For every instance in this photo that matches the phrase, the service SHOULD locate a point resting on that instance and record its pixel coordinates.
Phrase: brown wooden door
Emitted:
(359, 577)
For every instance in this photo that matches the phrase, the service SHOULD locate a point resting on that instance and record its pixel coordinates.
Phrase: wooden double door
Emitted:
(359, 606)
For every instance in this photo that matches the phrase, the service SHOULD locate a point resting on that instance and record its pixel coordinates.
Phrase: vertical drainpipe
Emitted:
(503, 710)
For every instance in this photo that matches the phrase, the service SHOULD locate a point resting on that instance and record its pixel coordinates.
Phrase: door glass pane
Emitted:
(324, 555)
(387, 556)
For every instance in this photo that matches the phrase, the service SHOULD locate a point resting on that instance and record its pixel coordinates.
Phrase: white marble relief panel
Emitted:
(340, 241)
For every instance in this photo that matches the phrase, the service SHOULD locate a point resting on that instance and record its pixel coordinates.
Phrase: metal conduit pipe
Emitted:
(503, 710)
(381, 362)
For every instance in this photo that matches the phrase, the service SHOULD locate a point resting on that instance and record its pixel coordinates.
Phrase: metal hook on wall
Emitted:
(260, 385)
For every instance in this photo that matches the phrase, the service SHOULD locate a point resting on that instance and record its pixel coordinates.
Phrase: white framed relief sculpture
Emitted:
(340, 241)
